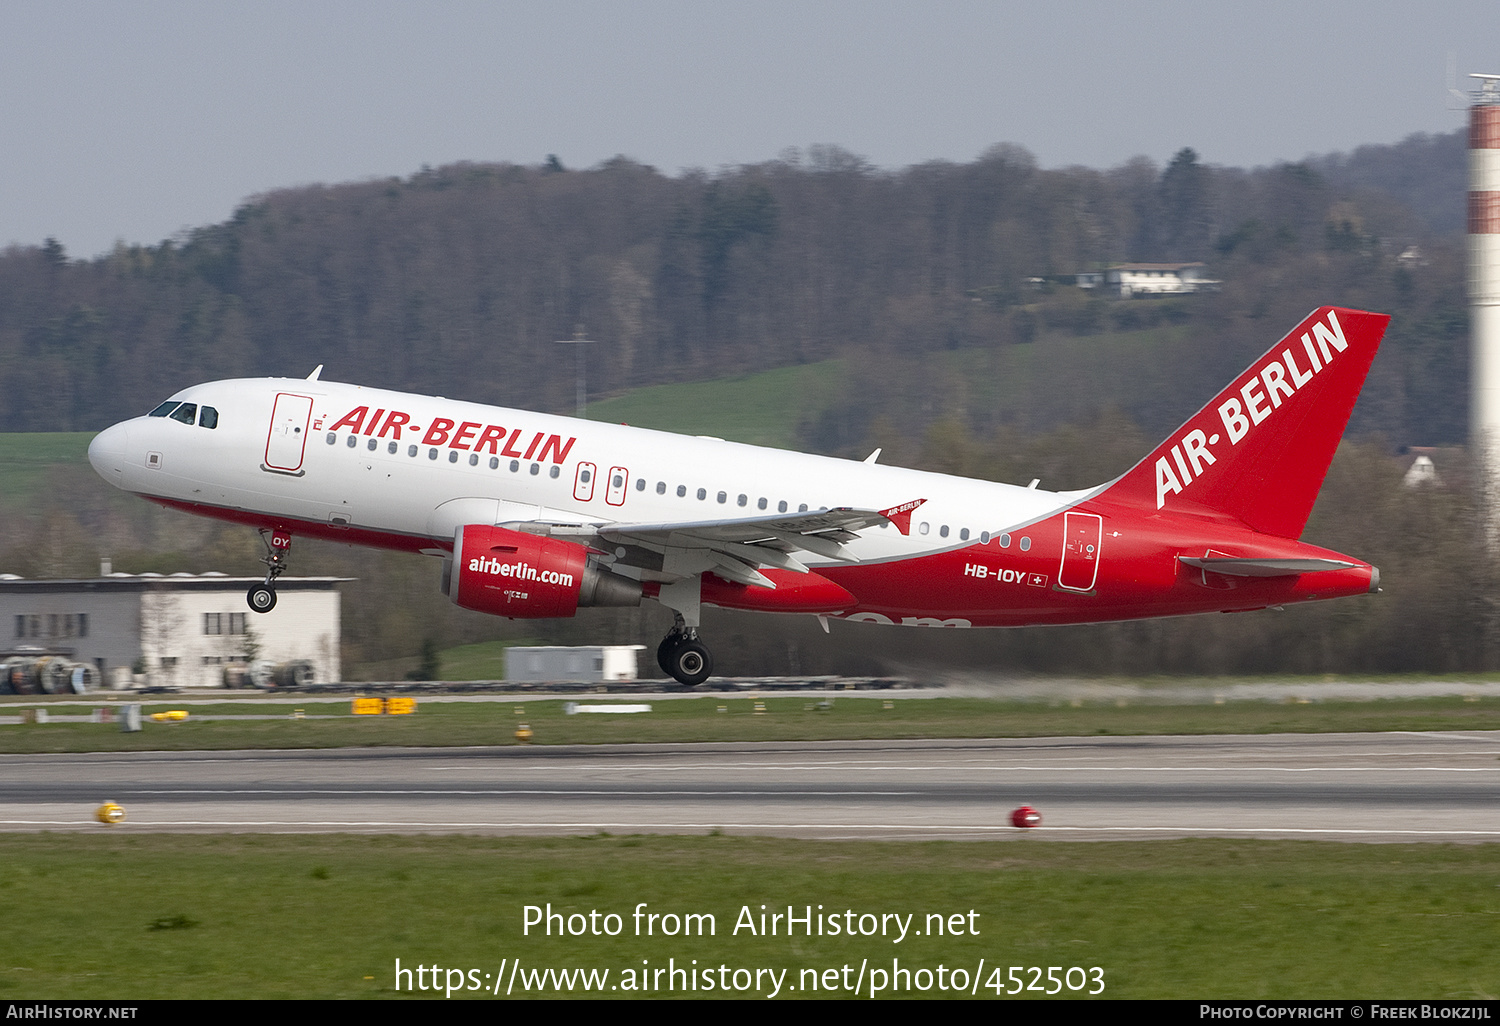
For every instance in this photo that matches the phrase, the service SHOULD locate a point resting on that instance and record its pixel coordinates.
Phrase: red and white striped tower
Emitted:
(1484, 290)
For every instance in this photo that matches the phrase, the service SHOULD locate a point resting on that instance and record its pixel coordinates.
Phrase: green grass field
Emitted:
(760, 409)
(43, 449)
(160, 916)
(26, 461)
(482, 661)
(769, 407)
(786, 718)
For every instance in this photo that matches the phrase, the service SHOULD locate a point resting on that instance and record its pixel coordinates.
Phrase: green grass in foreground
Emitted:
(697, 719)
(177, 916)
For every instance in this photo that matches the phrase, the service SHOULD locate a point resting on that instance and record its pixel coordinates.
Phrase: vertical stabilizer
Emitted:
(1260, 449)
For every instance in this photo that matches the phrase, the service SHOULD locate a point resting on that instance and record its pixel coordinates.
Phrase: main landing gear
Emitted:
(683, 656)
(262, 597)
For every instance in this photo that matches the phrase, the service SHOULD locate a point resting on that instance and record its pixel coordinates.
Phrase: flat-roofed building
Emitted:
(539, 663)
(181, 630)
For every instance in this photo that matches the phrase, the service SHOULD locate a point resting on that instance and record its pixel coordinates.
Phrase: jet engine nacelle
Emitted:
(527, 576)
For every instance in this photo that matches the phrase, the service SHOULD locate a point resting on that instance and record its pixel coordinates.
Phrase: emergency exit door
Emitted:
(1080, 558)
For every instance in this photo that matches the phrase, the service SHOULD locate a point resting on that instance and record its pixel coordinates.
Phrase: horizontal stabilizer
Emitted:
(1263, 567)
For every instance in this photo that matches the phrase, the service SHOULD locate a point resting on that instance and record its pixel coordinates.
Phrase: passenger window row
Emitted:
(763, 503)
(722, 498)
(412, 451)
(1003, 540)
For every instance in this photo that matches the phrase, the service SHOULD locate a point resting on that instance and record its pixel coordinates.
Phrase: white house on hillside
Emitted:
(1127, 280)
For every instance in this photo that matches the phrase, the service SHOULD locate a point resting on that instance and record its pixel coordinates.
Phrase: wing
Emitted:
(732, 549)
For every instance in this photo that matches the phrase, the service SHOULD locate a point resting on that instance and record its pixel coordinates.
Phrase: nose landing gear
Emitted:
(262, 597)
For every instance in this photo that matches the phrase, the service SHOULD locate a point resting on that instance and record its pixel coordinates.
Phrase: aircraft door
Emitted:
(1080, 558)
(583, 483)
(619, 477)
(287, 440)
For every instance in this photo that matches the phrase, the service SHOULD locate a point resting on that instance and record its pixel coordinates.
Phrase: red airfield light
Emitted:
(1026, 816)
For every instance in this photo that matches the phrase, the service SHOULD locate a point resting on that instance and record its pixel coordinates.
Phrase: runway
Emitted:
(1351, 787)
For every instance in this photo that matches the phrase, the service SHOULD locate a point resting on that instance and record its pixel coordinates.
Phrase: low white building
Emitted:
(181, 630)
(571, 663)
(1127, 280)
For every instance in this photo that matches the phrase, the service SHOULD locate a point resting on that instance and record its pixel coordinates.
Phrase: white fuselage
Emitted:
(411, 469)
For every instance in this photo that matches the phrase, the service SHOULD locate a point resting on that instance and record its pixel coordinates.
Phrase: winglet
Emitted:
(901, 515)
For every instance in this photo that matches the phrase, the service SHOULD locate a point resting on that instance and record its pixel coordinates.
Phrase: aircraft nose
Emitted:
(107, 452)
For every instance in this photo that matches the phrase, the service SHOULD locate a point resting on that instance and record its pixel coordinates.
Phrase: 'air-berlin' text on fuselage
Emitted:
(468, 435)
(1276, 382)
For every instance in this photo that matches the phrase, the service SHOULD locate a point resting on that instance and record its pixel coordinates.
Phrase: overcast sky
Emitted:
(134, 121)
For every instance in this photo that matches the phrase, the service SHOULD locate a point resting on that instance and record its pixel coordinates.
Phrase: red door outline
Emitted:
(1080, 556)
(583, 482)
(619, 479)
(286, 440)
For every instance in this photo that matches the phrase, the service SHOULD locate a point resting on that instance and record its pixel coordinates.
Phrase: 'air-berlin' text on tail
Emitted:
(1260, 449)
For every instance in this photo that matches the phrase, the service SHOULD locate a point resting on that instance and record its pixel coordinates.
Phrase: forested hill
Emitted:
(458, 280)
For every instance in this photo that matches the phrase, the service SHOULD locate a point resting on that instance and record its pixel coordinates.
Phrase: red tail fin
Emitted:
(1260, 449)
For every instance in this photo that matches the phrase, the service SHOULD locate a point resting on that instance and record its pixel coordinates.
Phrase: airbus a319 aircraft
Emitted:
(536, 515)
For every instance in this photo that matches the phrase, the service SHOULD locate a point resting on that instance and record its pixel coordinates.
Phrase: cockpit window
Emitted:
(208, 417)
(163, 409)
(187, 413)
